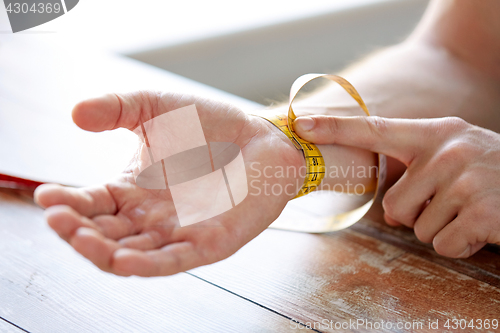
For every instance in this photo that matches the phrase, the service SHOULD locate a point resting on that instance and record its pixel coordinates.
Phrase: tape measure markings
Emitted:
(316, 168)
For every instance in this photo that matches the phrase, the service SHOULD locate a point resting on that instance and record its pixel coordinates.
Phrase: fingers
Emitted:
(398, 138)
(115, 226)
(112, 111)
(171, 259)
(110, 256)
(89, 201)
(474, 227)
(94, 246)
(151, 238)
(390, 221)
(440, 211)
(65, 221)
(458, 240)
(82, 233)
(406, 199)
(86, 237)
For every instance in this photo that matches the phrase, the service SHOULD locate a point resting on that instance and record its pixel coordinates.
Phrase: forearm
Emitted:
(412, 80)
(430, 75)
(448, 66)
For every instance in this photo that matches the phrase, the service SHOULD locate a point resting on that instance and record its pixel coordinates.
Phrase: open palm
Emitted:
(127, 230)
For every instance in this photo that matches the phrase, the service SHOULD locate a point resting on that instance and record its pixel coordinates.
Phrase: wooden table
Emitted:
(369, 274)
(280, 282)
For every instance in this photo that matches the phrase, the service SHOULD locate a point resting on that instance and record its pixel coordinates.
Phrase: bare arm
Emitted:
(449, 66)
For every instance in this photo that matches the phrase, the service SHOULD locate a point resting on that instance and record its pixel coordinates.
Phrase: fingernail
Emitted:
(123, 252)
(466, 253)
(304, 123)
(84, 231)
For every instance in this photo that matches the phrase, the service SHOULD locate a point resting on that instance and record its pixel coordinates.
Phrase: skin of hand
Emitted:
(430, 74)
(128, 230)
(450, 191)
(447, 67)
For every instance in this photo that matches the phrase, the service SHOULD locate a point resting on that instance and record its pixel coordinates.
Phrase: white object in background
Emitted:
(41, 81)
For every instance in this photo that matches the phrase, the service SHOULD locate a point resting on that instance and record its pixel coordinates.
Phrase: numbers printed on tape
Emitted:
(314, 160)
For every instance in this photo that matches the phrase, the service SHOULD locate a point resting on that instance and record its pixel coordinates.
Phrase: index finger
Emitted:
(398, 138)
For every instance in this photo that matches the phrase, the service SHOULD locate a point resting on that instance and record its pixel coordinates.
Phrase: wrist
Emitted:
(289, 166)
(347, 169)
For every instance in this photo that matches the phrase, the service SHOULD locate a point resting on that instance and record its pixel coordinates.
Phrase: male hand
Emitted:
(450, 192)
(128, 230)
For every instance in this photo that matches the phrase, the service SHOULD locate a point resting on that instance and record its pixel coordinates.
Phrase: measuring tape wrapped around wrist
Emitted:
(316, 169)
(315, 164)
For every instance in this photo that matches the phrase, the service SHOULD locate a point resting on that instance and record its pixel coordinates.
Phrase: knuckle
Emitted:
(139, 106)
(456, 152)
(453, 124)
(151, 99)
(148, 96)
(332, 123)
(464, 187)
(483, 209)
(482, 222)
(377, 126)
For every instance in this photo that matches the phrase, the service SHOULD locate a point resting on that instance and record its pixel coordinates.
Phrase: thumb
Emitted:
(399, 138)
(112, 111)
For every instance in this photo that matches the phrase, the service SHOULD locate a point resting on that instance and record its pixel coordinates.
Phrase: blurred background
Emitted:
(253, 49)
(244, 52)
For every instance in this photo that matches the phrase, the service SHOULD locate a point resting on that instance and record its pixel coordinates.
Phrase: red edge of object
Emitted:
(18, 183)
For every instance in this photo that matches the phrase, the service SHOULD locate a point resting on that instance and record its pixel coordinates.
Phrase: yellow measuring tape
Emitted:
(316, 169)
(315, 163)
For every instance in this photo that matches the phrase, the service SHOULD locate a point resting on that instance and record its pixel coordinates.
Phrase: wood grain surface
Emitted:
(6, 327)
(368, 272)
(280, 282)
(45, 286)
(484, 265)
